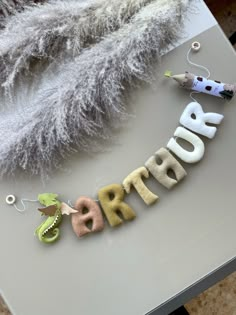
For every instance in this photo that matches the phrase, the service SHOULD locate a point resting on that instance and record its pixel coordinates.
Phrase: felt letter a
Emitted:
(195, 119)
(135, 179)
(187, 156)
(160, 171)
(111, 198)
(80, 219)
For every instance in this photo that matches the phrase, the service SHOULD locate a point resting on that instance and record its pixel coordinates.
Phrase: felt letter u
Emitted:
(187, 156)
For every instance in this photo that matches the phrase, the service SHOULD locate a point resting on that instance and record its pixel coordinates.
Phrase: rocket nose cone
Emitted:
(180, 78)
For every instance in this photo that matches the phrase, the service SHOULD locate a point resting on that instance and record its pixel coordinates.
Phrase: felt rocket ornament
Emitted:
(204, 85)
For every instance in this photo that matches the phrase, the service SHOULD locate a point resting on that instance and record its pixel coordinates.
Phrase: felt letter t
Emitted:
(135, 179)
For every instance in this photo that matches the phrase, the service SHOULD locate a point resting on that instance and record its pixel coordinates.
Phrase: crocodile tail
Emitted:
(46, 239)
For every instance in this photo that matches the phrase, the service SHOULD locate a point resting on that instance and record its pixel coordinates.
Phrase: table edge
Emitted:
(196, 288)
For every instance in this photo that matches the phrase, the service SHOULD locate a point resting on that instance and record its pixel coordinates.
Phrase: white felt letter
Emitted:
(187, 156)
(195, 119)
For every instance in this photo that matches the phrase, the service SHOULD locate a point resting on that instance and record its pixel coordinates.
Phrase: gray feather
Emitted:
(57, 30)
(9, 7)
(88, 96)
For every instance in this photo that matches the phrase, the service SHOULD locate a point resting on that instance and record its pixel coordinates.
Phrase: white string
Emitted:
(23, 204)
(197, 65)
(70, 204)
(191, 96)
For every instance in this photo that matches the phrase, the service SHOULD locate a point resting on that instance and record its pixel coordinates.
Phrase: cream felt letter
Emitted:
(111, 198)
(80, 218)
(187, 156)
(135, 179)
(160, 171)
(195, 119)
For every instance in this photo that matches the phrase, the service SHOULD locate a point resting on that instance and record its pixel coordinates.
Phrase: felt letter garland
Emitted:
(135, 179)
(195, 119)
(111, 198)
(160, 171)
(80, 219)
(187, 156)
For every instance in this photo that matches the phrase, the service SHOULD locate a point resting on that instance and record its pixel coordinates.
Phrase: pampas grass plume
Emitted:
(89, 94)
(57, 30)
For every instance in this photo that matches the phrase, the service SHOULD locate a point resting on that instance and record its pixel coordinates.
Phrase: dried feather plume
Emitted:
(9, 7)
(88, 95)
(57, 30)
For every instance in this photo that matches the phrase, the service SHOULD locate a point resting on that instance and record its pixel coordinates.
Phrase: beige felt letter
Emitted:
(135, 179)
(80, 218)
(187, 156)
(160, 171)
(111, 198)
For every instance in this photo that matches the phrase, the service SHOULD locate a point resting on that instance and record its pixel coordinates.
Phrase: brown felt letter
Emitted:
(80, 219)
(111, 198)
(135, 179)
(160, 171)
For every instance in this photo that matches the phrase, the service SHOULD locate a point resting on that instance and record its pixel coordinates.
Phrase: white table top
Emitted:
(168, 247)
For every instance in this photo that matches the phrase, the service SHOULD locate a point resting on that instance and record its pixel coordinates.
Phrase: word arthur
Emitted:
(111, 198)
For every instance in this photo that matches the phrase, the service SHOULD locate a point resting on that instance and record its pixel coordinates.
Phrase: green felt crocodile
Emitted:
(48, 231)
